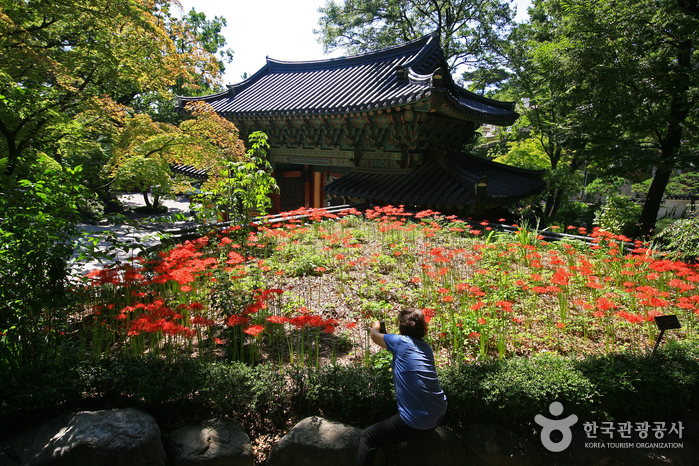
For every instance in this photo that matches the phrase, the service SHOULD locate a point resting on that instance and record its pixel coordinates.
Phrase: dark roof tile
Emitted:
(350, 84)
(447, 181)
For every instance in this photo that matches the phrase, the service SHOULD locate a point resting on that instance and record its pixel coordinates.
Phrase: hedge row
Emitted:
(509, 391)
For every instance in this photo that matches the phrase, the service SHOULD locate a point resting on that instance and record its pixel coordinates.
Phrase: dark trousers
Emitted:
(392, 430)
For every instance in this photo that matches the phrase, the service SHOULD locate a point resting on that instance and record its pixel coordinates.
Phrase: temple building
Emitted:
(386, 127)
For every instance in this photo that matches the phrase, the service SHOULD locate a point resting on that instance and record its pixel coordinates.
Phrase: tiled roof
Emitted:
(388, 78)
(189, 170)
(449, 182)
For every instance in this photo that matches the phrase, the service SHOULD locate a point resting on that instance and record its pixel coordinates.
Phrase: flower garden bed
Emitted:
(304, 292)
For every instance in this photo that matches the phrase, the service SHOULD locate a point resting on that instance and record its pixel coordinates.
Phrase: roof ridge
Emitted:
(419, 45)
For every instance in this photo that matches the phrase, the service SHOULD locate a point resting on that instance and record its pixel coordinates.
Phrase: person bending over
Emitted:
(421, 401)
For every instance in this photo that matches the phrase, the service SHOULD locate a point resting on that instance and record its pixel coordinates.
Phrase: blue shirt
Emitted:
(421, 401)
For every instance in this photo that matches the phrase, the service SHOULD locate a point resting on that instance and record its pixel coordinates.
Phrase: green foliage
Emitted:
(681, 238)
(144, 175)
(616, 386)
(574, 213)
(238, 387)
(245, 185)
(38, 218)
(623, 76)
(684, 184)
(307, 264)
(511, 391)
(350, 393)
(470, 31)
(69, 67)
(618, 213)
(527, 153)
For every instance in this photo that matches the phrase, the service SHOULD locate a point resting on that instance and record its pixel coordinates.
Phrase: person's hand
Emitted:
(376, 336)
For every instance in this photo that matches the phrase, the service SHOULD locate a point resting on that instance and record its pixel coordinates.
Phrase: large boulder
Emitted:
(317, 441)
(441, 447)
(494, 445)
(219, 442)
(119, 437)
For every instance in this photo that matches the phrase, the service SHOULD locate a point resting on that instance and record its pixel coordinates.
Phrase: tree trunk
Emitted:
(145, 198)
(646, 223)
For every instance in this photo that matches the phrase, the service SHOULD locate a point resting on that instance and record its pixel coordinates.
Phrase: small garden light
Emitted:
(665, 323)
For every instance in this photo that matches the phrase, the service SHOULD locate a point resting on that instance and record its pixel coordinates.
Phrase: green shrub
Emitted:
(348, 393)
(681, 238)
(610, 387)
(618, 215)
(307, 264)
(574, 213)
(643, 386)
(238, 387)
(518, 389)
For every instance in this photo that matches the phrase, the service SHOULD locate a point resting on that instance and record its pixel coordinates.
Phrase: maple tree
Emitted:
(69, 67)
(144, 150)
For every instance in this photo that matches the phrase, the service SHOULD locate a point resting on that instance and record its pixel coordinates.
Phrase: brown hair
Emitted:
(411, 322)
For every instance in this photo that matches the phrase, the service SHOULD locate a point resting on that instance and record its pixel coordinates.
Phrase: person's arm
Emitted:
(376, 336)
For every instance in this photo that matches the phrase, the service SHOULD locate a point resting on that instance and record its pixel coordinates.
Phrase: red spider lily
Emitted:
(234, 258)
(428, 313)
(481, 321)
(197, 320)
(561, 277)
(479, 304)
(560, 325)
(237, 320)
(631, 318)
(680, 285)
(277, 320)
(504, 305)
(594, 285)
(254, 330)
(583, 304)
(353, 325)
(604, 304)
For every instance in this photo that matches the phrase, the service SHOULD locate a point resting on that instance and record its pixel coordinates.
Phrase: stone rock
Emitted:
(119, 437)
(442, 447)
(580, 453)
(219, 442)
(685, 456)
(319, 442)
(494, 445)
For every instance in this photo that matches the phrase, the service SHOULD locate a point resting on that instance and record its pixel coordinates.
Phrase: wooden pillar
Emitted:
(308, 188)
(318, 182)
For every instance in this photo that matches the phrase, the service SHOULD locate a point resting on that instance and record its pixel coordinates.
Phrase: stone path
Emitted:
(145, 235)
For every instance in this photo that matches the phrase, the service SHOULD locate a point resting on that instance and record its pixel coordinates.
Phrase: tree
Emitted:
(548, 115)
(144, 150)
(68, 72)
(470, 31)
(63, 58)
(244, 186)
(629, 71)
